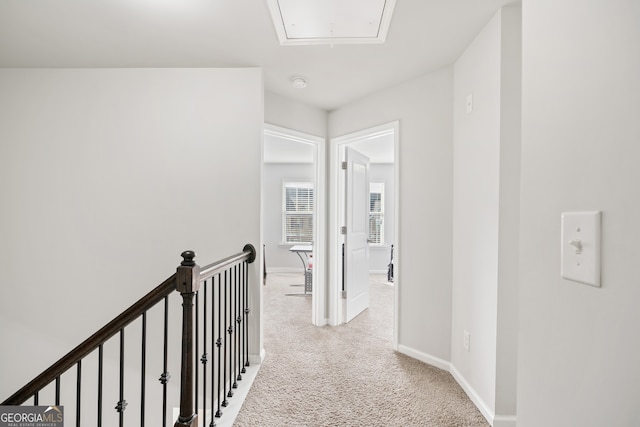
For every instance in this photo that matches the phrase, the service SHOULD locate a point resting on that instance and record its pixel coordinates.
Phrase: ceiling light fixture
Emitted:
(299, 82)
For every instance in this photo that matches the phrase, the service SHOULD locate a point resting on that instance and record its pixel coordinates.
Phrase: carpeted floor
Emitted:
(346, 375)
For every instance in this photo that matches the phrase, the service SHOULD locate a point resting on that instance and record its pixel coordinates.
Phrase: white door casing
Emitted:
(318, 310)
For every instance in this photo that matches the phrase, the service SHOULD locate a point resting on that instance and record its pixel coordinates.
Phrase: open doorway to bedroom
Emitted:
(293, 215)
(379, 148)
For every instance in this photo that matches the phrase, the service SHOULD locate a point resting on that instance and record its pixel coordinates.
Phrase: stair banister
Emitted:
(187, 280)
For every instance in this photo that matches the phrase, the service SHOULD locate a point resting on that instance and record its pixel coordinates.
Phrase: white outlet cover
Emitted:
(580, 247)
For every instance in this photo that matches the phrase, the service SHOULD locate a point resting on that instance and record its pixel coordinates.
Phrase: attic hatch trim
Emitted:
(285, 40)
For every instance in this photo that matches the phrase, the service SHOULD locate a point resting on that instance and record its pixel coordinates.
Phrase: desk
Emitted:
(303, 252)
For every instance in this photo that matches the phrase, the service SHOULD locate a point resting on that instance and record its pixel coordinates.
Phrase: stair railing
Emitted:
(228, 331)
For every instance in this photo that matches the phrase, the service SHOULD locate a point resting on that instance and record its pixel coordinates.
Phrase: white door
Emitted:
(356, 251)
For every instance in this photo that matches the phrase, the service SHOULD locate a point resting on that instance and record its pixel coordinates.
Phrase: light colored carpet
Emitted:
(346, 375)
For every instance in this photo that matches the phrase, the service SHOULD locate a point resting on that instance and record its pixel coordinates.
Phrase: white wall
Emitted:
(278, 256)
(578, 345)
(476, 198)
(106, 176)
(485, 215)
(286, 113)
(423, 107)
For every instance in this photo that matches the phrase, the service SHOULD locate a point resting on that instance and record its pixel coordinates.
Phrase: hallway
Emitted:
(347, 375)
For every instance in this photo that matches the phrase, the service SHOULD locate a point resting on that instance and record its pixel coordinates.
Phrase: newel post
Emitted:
(187, 283)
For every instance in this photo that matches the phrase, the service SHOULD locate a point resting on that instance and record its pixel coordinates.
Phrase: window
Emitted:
(376, 213)
(297, 212)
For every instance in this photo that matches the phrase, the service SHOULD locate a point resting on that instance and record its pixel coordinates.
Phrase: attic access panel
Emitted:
(299, 22)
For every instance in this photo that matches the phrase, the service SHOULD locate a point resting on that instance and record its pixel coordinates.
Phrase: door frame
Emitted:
(336, 187)
(318, 299)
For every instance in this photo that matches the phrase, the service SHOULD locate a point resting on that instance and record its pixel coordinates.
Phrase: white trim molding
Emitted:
(296, 270)
(336, 144)
(279, 25)
(318, 315)
(424, 357)
(487, 413)
(240, 395)
(256, 359)
(504, 421)
(473, 395)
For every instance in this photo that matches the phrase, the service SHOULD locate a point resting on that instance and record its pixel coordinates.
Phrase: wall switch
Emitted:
(469, 103)
(466, 340)
(580, 247)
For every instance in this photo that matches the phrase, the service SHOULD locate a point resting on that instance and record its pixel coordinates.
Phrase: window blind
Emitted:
(376, 213)
(298, 212)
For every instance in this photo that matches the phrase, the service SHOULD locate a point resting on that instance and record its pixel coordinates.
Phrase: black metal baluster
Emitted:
(241, 322)
(219, 345)
(57, 391)
(143, 368)
(100, 362)
(122, 404)
(232, 330)
(236, 302)
(213, 357)
(247, 310)
(36, 399)
(224, 350)
(195, 353)
(78, 392)
(243, 346)
(205, 356)
(164, 378)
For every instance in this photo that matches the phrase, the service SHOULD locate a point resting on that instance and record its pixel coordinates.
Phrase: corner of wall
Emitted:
(475, 397)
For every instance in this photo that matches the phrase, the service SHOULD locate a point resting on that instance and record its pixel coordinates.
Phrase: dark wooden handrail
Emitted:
(208, 271)
(91, 343)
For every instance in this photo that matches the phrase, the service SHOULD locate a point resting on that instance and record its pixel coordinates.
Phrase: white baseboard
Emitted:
(423, 357)
(284, 270)
(473, 395)
(256, 359)
(494, 420)
(323, 322)
(504, 421)
(230, 412)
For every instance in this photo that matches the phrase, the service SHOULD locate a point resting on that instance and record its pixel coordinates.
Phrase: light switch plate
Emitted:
(580, 247)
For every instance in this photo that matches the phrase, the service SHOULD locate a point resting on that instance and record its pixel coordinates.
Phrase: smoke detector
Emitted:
(298, 82)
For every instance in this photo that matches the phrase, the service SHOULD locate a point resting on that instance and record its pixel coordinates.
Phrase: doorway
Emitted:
(299, 159)
(381, 145)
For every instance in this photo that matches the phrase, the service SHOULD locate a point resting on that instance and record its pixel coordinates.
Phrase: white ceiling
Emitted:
(424, 35)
